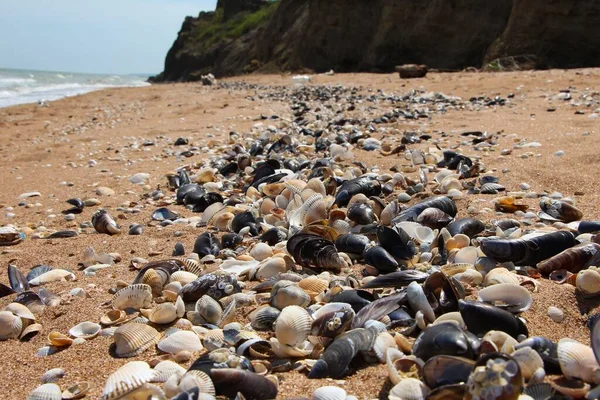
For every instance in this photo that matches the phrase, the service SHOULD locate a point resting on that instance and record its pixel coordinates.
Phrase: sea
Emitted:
(24, 86)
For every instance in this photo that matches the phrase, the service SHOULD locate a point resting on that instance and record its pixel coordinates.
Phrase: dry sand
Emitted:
(44, 146)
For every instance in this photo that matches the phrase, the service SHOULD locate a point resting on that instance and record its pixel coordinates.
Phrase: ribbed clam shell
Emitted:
(383, 342)
(154, 280)
(76, 391)
(491, 188)
(86, 330)
(418, 301)
(409, 389)
(329, 393)
(179, 341)
(193, 266)
(183, 277)
(314, 284)
(209, 309)
(293, 325)
(54, 275)
(20, 310)
(514, 298)
(424, 234)
(199, 379)
(133, 296)
(500, 275)
(165, 369)
(47, 351)
(577, 360)
(126, 379)
(164, 313)
(263, 318)
(133, 338)
(529, 361)
(52, 375)
(588, 282)
(47, 391)
(539, 391)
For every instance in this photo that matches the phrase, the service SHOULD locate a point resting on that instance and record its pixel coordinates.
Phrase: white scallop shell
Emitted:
(133, 338)
(10, 325)
(199, 379)
(383, 342)
(133, 296)
(424, 234)
(165, 369)
(128, 378)
(47, 391)
(418, 301)
(179, 341)
(164, 313)
(577, 361)
(500, 275)
(466, 255)
(329, 393)
(20, 311)
(53, 275)
(515, 297)
(529, 361)
(293, 325)
(183, 277)
(86, 330)
(409, 389)
(52, 375)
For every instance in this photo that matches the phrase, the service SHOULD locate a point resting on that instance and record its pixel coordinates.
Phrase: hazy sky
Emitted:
(97, 36)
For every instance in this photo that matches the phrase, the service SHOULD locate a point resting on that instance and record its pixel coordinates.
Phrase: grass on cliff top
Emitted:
(210, 32)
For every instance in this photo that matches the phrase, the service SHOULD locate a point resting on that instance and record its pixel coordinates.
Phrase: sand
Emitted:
(44, 147)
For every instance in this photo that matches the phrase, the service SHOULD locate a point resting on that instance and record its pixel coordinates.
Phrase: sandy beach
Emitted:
(126, 131)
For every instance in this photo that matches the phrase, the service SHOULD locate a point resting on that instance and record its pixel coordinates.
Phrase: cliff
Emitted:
(376, 35)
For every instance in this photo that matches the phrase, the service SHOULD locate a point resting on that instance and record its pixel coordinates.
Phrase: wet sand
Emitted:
(44, 147)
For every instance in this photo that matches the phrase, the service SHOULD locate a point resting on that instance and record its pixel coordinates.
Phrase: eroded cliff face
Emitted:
(376, 35)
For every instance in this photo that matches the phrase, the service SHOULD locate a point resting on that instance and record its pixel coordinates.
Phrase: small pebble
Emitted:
(69, 217)
(559, 153)
(555, 314)
(524, 186)
(404, 197)
(104, 191)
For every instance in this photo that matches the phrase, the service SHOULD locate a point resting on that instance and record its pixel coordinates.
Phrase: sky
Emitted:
(92, 36)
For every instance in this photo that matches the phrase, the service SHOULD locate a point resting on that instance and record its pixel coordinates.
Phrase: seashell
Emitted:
(85, 330)
(286, 293)
(574, 388)
(588, 282)
(501, 341)
(104, 223)
(134, 338)
(133, 296)
(449, 183)
(76, 391)
(261, 251)
(197, 379)
(557, 210)
(383, 342)
(529, 361)
(451, 316)
(418, 301)
(126, 379)
(491, 188)
(271, 267)
(53, 375)
(500, 275)
(401, 367)
(165, 369)
(329, 393)
(209, 309)
(183, 277)
(164, 313)
(446, 370)
(155, 280)
(58, 339)
(20, 311)
(47, 391)
(495, 376)
(54, 275)
(47, 351)
(513, 298)
(313, 284)
(114, 317)
(577, 361)
(466, 255)
(263, 318)
(179, 341)
(293, 325)
(539, 391)
(409, 389)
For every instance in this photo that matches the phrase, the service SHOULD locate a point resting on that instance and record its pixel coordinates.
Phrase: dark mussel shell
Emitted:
(273, 236)
(443, 292)
(573, 260)
(448, 392)
(560, 210)
(215, 285)
(507, 223)
(314, 251)
(32, 301)
(445, 338)
(332, 324)
(49, 298)
(37, 271)
(164, 214)
(380, 259)
(62, 234)
(230, 381)
(265, 318)
(184, 190)
(103, 223)
(204, 364)
(496, 376)
(481, 318)
(400, 318)
(178, 250)
(5, 290)
(230, 240)
(206, 244)
(356, 298)
(334, 362)
(77, 206)
(206, 200)
(351, 243)
(530, 251)
(269, 179)
(136, 229)
(446, 204)
(588, 227)
(446, 370)
(379, 308)
(365, 185)
(396, 242)
(178, 179)
(243, 220)
(228, 169)
(361, 213)
(466, 226)
(396, 279)
(17, 280)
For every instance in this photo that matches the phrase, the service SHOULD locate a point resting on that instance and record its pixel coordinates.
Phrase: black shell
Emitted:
(380, 259)
(444, 203)
(396, 279)
(361, 213)
(231, 381)
(445, 338)
(206, 244)
(481, 318)
(396, 242)
(273, 236)
(206, 200)
(178, 250)
(243, 220)
(356, 298)
(332, 324)
(186, 189)
(351, 243)
(365, 185)
(17, 280)
(314, 251)
(230, 240)
(216, 285)
(466, 226)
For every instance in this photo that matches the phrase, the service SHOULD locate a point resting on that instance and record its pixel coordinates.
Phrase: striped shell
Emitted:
(164, 313)
(155, 280)
(383, 342)
(209, 309)
(329, 393)
(127, 379)
(179, 341)
(47, 391)
(52, 375)
(577, 360)
(133, 338)
(165, 369)
(133, 296)
(313, 285)
(491, 188)
(199, 379)
(293, 325)
(409, 389)
(76, 391)
(86, 330)
(183, 277)
(588, 282)
(104, 223)
(193, 266)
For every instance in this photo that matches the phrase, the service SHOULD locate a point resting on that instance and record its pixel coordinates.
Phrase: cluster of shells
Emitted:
(319, 266)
